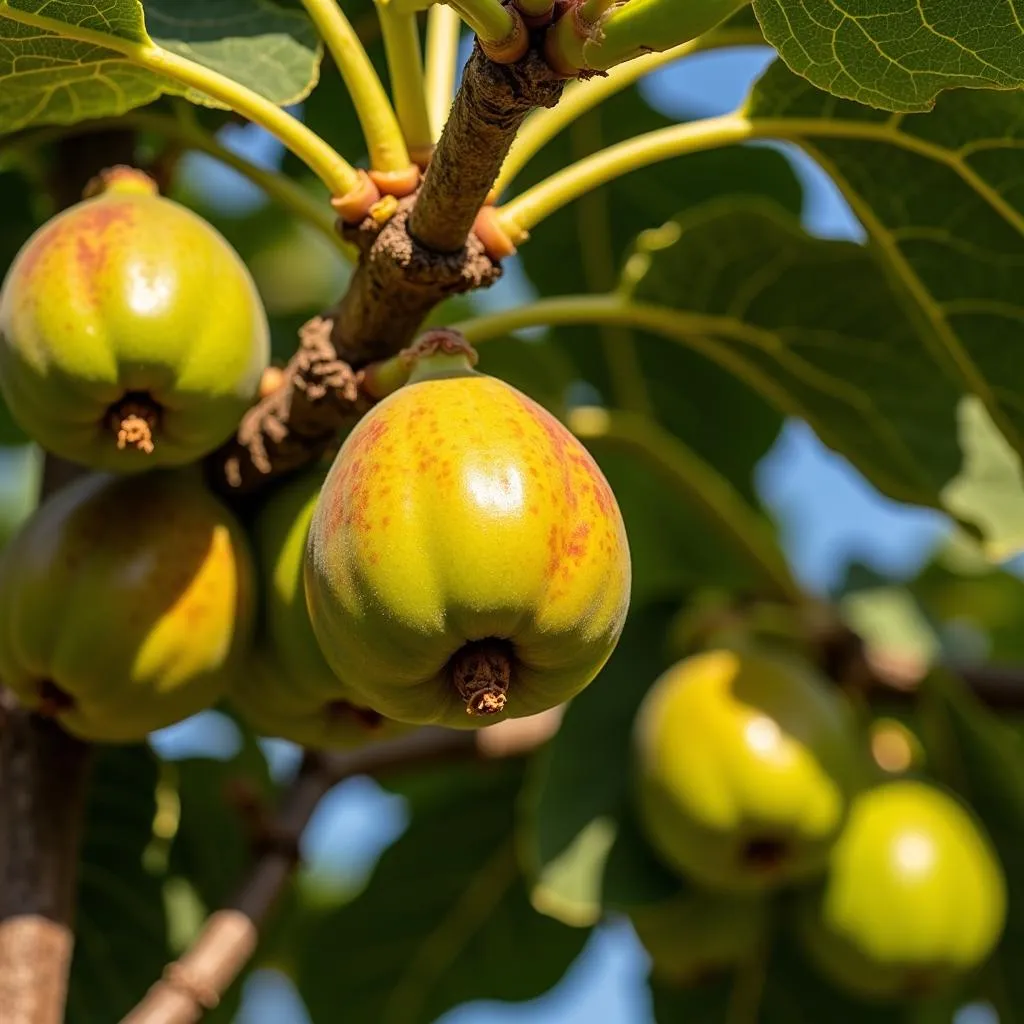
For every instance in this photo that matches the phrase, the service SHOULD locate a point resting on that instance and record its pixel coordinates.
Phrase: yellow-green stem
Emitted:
(405, 69)
(597, 260)
(332, 169)
(487, 18)
(188, 134)
(579, 97)
(443, 31)
(529, 209)
(384, 141)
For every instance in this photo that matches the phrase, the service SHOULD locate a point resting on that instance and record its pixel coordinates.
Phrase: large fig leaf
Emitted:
(416, 944)
(939, 198)
(120, 928)
(897, 55)
(64, 62)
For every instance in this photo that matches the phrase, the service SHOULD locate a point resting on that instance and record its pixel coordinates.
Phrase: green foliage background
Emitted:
(903, 354)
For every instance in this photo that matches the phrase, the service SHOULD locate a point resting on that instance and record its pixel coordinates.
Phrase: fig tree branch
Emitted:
(580, 96)
(491, 104)
(196, 981)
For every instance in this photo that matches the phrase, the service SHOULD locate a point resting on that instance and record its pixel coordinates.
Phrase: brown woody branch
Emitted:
(424, 253)
(195, 982)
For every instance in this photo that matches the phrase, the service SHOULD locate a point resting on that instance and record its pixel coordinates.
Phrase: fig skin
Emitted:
(459, 511)
(288, 689)
(915, 897)
(130, 300)
(698, 934)
(745, 763)
(126, 604)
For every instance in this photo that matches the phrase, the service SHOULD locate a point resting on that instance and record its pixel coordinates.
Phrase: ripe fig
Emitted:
(288, 689)
(125, 603)
(131, 333)
(466, 553)
(914, 899)
(745, 763)
(699, 934)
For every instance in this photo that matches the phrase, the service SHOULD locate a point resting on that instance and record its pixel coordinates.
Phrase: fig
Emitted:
(131, 333)
(467, 560)
(745, 763)
(915, 897)
(699, 934)
(126, 604)
(288, 689)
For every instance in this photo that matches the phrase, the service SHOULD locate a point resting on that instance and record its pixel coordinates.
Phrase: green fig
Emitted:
(699, 934)
(914, 899)
(288, 689)
(467, 560)
(131, 333)
(745, 764)
(126, 604)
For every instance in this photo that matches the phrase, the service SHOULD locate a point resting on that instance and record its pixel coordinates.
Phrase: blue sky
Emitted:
(827, 513)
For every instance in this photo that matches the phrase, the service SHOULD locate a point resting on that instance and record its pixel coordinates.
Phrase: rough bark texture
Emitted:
(490, 106)
(43, 774)
(296, 423)
(425, 253)
(397, 283)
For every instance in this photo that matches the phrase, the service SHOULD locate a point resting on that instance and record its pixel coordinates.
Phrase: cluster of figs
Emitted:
(460, 560)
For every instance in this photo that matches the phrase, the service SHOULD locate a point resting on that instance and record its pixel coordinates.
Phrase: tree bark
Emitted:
(43, 773)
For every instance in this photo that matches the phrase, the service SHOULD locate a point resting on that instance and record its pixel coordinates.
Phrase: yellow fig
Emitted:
(466, 553)
(745, 765)
(914, 899)
(126, 604)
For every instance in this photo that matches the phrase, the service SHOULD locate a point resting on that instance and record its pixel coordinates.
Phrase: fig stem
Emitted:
(481, 671)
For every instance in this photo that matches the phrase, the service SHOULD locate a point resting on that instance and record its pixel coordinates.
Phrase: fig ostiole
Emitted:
(287, 689)
(126, 604)
(131, 333)
(745, 763)
(467, 560)
(915, 896)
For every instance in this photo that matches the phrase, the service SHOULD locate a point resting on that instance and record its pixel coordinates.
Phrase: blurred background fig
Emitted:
(131, 333)
(467, 560)
(287, 689)
(914, 899)
(126, 604)
(745, 763)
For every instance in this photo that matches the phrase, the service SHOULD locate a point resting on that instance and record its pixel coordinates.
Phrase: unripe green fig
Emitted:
(467, 560)
(288, 689)
(744, 766)
(699, 934)
(131, 333)
(914, 899)
(126, 604)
